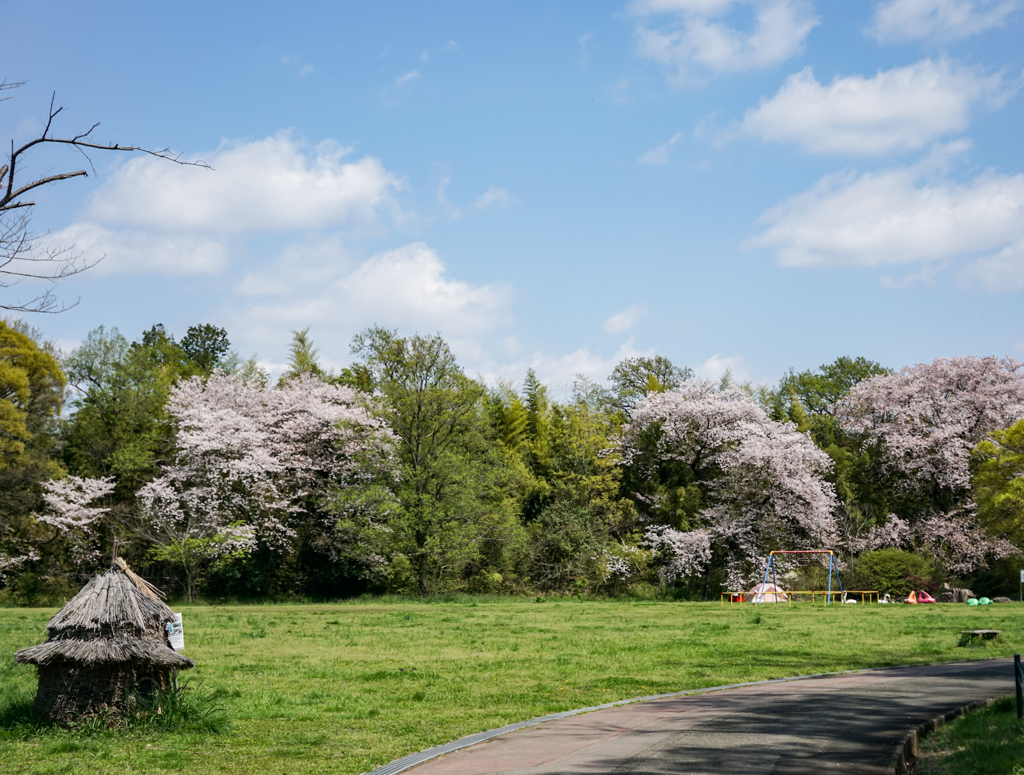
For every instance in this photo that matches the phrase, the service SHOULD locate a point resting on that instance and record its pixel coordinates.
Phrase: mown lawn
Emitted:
(345, 687)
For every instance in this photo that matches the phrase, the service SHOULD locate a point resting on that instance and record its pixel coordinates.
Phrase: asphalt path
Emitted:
(850, 723)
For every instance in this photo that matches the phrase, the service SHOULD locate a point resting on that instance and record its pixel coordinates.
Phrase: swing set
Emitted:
(833, 570)
(763, 594)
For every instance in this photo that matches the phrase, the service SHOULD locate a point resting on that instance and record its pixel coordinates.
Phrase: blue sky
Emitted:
(752, 184)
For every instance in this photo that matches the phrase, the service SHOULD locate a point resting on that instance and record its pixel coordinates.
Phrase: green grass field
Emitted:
(342, 688)
(987, 742)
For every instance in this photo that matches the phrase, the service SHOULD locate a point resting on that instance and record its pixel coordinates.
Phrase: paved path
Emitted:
(848, 723)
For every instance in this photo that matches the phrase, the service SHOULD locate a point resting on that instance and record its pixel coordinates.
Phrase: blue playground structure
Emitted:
(833, 570)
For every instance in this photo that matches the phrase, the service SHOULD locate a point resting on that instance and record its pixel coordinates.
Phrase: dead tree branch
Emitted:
(22, 257)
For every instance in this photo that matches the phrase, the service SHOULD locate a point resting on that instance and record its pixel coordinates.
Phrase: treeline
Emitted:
(402, 474)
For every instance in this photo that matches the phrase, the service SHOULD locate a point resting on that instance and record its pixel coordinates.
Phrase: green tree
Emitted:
(206, 346)
(303, 358)
(807, 399)
(31, 391)
(248, 369)
(818, 392)
(585, 511)
(571, 505)
(458, 492)
(635, 378)
(893, 571)
(999, 482)
(119, 426)
(525, 437)
(31, 394)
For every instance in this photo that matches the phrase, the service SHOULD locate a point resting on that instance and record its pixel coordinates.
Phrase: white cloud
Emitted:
(704, 34)
(618, 91)
(142, 252)
(1002, 272)
(898, 20)
(623, 321)
(586, 45)
(662, 153)
(153, 216)
(408, 288)
(926, 275)
(897, 110)
(492, 197)
(558, 371)
(324, 285)
(898, 216)
(716, 366)
(305, 70)
(298, 268)
(264, 185)
(403, 79)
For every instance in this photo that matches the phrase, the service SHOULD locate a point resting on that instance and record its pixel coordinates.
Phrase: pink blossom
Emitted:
(69, 512)
(249, 455)
(763, 480)
(957, 543)
(12, 566)
(927, 418)
(686, 554)
(894, 533)
(68, 500)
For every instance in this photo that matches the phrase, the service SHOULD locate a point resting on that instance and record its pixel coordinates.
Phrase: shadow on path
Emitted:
(849, 723)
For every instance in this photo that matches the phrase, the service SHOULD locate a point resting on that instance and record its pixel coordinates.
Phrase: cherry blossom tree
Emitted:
(70, 514)
(925, 420)
(69, 502)
(954, 539)
(250, 460)
(11, 567)
(759, 484)
(682, 554)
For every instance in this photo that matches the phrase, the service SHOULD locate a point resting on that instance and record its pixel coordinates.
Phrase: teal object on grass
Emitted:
(984, 601)
(973, 601)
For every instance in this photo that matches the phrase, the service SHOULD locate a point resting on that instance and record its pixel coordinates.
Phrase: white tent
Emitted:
(766, 593)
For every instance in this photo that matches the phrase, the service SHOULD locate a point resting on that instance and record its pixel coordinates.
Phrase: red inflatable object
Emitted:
(924, 597)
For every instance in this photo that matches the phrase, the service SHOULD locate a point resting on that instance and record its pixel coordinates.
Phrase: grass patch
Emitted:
(987, 742)
(346, 687)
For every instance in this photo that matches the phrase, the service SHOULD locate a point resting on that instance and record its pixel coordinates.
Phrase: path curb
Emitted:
(904, 761)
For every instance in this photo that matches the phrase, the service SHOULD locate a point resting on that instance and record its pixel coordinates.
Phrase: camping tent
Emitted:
(766, 593)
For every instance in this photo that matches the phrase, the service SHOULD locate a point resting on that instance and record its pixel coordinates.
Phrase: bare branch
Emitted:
(22, 257)
(8, 85)
(41, 182)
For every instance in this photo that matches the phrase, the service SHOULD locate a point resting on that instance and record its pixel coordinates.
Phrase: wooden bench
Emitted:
(981, 634)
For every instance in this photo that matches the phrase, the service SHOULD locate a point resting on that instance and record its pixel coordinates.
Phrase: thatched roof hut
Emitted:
(108, 649)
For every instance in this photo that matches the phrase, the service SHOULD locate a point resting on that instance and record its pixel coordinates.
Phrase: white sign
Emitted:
(1022, 577)
(176, 633)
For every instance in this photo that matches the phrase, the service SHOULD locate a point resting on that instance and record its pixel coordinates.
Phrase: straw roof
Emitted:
(117, 617)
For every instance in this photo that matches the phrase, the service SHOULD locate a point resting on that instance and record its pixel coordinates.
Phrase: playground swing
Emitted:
(770, 568)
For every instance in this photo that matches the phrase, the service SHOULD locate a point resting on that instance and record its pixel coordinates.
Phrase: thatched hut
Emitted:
(108, 649)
